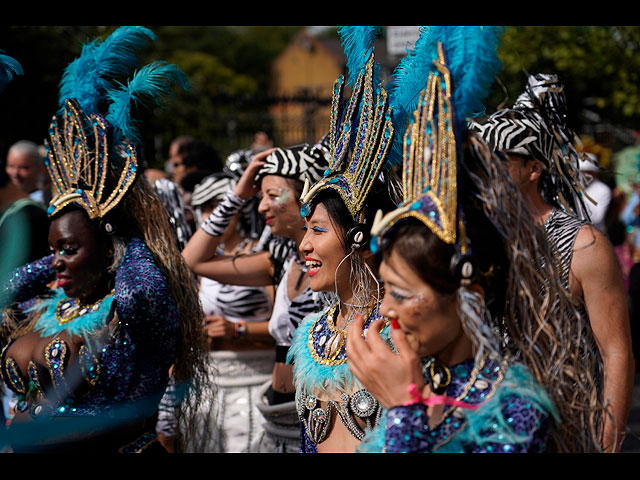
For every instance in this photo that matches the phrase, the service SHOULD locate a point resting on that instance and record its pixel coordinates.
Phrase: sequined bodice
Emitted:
(120, 357)
(58, 374)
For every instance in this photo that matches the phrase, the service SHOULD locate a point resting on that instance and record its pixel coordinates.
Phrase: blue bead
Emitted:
(373, 244)
(304, 210)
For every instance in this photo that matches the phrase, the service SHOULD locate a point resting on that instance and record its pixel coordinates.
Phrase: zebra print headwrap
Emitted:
(536, 127)
(300, 162)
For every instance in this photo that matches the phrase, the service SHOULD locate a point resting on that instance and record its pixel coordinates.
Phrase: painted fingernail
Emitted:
(394, 324)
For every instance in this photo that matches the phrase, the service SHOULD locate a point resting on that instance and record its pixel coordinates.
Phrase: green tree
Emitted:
(599, 66)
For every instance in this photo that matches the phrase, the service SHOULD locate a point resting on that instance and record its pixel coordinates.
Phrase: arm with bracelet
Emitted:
(200, 253)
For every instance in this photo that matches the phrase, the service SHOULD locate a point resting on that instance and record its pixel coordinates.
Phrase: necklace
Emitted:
(68, 309)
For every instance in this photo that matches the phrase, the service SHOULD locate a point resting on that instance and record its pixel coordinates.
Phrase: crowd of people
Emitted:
(413, 281)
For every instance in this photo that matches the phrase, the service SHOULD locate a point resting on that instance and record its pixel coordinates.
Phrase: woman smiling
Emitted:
(90, 356)
(471, 288)
(339, 209)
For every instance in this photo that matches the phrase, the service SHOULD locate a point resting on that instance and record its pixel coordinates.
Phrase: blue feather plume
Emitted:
(9, 67)
(89, 76)
(155, 82)
(471, 53)
(357, 42)
(472, 58)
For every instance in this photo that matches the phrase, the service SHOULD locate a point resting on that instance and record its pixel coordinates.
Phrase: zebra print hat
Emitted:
(213, 187)
(536, 126)
(301, 162)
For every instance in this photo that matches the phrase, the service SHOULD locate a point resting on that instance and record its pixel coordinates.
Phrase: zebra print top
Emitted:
(562, 229)
(288, 313)
(235, 302)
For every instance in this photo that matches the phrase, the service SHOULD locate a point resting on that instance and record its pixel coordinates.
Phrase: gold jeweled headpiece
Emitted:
(360, 138)
(78, 161)
(430, 151)
(91, 158)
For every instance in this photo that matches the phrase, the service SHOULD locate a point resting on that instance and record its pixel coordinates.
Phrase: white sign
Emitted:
(401, 38)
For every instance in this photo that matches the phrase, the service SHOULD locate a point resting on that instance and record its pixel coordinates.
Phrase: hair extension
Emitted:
(542, 326)
(143, 212)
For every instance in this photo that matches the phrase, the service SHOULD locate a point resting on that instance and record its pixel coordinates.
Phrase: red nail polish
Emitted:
(394, 324)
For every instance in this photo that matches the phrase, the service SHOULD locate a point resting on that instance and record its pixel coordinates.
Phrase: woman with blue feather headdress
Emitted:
(472, 290)
(338, 211)
(114, 307)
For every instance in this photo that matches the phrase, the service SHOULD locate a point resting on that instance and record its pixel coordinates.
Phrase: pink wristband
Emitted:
(435, 400)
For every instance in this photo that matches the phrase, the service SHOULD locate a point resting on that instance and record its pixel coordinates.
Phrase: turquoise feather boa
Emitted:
(83, 325)
(311, 375)
(517, 381)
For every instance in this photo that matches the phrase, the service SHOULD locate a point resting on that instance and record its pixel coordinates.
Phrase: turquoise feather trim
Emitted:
(154, 81)
(311, 375)
(517, 381)
(9, 67)
(83, 325)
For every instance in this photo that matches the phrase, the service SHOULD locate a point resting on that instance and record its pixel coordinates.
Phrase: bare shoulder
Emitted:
(594, 259)
(591, 241)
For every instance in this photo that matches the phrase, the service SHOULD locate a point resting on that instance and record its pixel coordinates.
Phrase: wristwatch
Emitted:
(241, 328)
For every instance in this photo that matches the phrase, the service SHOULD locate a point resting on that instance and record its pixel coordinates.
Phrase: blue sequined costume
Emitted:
(320, 366)
(130, 369)
(513, 416)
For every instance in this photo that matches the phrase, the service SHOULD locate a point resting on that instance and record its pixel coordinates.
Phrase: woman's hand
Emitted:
(385, 374)
(245, 187)
(217, 326)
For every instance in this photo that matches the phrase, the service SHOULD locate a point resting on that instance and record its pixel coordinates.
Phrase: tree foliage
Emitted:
(229, 71)
(599, 65)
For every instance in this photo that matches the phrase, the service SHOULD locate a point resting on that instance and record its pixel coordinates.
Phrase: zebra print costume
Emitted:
(536, 127)
(562, 229)
(219, 219)
(302, 162)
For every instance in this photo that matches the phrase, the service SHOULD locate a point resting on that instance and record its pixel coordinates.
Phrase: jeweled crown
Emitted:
(360, 138)
(429, 174)
(78, 161)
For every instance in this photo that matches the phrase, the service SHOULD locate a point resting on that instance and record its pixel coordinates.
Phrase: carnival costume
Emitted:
(276, 429)
(491, 402)
(536, 127)
(361, 139)
(105, 365)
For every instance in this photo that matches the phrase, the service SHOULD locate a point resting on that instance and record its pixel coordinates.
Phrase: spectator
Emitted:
(26, 170)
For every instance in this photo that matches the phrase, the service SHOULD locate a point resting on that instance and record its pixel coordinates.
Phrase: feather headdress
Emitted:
(9, 67)
(85, 148)
(442, 82)
(360, 132)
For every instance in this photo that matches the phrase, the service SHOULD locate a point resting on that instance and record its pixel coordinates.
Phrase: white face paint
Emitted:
(280, 207)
